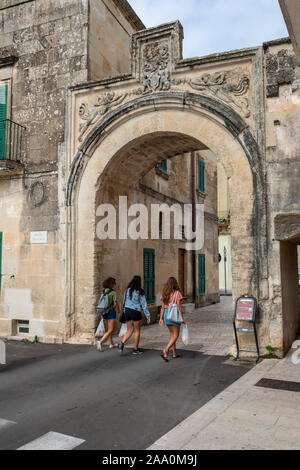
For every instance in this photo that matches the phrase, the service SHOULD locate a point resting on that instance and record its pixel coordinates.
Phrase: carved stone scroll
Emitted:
(104, 103)
(230, 87)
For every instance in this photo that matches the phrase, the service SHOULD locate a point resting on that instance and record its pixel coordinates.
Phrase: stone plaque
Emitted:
(38, 238)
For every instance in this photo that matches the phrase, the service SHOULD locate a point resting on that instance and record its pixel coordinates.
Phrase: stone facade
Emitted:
(282, 177)
(45, 47)
(240, 107)
(230, 103)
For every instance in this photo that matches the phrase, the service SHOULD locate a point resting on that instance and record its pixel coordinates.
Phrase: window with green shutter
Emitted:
(202, 274)
(201, 175)
(3, 115)
(0, 260)
(149, 275)
(163, 166)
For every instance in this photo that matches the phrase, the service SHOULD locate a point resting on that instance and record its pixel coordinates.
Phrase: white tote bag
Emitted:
(185, 335)
(123, 330)
(101, 329)
(174, 314)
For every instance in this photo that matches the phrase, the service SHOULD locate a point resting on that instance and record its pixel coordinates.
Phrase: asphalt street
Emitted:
(107, 401)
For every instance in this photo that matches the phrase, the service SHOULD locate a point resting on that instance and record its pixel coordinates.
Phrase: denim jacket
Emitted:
(138, 302)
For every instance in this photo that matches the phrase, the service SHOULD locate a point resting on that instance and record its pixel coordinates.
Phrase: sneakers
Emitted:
(137, 352)
(112, 346)
(121, 348)
(99, 346)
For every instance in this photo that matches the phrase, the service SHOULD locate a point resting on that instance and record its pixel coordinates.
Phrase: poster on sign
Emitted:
(245, 309)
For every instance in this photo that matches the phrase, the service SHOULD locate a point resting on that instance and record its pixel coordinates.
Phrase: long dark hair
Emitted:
(169, 288)
(135, 284)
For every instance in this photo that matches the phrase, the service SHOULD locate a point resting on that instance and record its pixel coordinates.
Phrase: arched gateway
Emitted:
(167, 106)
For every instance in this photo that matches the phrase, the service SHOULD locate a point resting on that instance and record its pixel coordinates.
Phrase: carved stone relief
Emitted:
(229, 87)
(36, 194)
(103, 104)
(155, 70)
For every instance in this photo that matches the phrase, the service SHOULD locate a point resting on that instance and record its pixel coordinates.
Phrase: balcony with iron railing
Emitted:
(11, 148)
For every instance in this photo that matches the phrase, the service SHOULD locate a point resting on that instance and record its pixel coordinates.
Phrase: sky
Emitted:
(216, 25)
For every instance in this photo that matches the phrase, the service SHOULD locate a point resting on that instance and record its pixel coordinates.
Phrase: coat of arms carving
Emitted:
(155, 67)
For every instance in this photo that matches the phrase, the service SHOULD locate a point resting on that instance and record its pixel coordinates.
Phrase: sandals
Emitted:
(164, 357)
(177, 357)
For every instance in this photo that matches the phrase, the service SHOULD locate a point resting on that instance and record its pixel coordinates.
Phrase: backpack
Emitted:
(104, 305)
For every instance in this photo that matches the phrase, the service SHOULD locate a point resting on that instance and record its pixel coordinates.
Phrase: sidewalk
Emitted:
(245, 416)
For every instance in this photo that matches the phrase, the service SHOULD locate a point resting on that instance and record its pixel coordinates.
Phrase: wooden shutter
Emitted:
(201, 175)
(149, 275)
(163, 165)
(202, 274)
(0, 260)
(3, 115)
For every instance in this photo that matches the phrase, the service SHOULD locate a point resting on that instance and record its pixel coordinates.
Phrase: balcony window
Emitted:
(11, 133)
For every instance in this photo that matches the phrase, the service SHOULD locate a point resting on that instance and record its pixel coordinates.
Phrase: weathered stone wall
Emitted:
(49, 41)
(109, 51)
(243, 106)
(282, 178)
(44, 49)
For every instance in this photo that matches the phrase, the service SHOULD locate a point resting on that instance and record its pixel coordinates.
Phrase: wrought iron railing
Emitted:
(11, 140)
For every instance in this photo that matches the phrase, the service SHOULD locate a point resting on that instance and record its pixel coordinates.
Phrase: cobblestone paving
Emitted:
(210, 330)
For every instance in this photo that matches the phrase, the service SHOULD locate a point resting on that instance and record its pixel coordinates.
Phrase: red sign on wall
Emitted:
(245, 310)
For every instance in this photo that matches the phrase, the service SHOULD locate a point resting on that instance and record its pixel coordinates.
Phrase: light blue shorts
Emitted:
(168, 322)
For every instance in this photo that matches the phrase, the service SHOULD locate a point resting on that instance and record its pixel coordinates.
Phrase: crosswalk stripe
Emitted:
(4, 423)
(53, 441)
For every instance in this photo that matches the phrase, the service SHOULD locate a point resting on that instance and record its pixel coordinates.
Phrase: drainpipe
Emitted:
(194, 201)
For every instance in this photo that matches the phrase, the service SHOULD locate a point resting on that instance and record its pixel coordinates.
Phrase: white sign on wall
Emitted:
(38, 238)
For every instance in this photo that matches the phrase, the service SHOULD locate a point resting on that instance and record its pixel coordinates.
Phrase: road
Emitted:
(106, 401)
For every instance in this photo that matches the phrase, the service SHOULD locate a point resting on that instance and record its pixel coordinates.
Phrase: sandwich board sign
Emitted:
(245, 312)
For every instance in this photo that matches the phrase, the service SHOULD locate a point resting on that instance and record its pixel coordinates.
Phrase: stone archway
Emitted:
(164, 122)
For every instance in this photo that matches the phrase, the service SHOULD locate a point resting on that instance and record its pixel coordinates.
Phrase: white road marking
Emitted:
(5, 424)
(53, 441)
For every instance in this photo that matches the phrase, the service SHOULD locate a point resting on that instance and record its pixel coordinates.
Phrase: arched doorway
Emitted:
(124, 146)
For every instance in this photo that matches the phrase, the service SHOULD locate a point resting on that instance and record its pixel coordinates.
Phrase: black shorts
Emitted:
(132, 315)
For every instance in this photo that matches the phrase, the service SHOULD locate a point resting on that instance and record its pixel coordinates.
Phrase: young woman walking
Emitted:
(134, 302)
(171, 294)
(109, 286)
